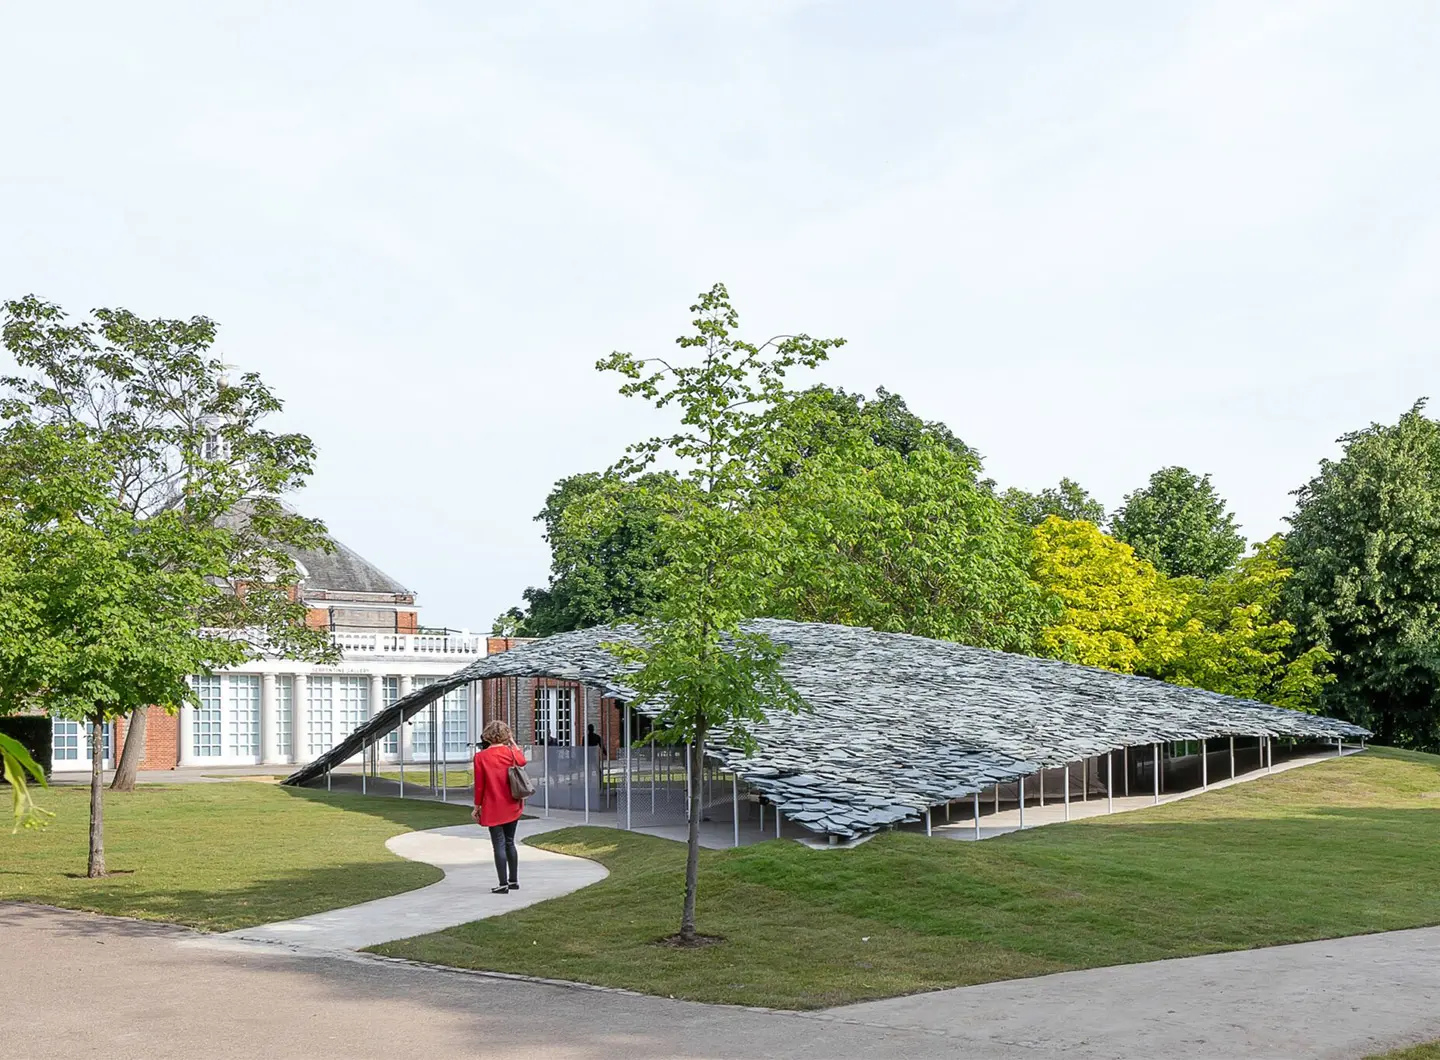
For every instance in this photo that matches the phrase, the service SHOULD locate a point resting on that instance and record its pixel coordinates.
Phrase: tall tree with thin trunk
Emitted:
(153, 543)
(704, 678)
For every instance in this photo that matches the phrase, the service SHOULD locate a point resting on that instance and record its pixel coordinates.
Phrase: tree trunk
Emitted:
(97, 792)
(692, 853)
(131, 755)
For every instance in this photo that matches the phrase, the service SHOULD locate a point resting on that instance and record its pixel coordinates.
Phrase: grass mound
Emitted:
(1339, 848)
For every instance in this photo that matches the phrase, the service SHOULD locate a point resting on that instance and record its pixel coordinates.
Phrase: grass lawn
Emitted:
(220, 856)
(1340, 848)
(1430, 1051)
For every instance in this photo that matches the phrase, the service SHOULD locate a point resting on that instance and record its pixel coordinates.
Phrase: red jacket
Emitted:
(492, 785)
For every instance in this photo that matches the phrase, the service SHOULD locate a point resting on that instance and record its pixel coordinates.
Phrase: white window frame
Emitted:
(242, 716)
(555, 716)
(208, 732)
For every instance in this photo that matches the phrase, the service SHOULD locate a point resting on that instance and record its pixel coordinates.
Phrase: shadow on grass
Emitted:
(416, 813)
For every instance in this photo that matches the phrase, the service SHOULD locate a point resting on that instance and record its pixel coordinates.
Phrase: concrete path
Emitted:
(134, 991)
(465, 854)
(1341, 998)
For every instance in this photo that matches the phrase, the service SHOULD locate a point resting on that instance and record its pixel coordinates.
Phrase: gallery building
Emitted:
(275, 711)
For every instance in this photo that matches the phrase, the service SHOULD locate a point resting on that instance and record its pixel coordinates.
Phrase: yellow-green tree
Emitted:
(1118, 611)
(1233, 638)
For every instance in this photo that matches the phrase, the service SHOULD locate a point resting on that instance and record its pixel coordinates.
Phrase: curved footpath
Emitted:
(463, 852)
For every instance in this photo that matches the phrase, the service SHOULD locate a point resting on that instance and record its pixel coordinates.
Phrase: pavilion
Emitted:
(896, 725)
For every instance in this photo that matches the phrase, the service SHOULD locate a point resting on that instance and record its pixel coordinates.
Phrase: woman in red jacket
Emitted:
(495, 807)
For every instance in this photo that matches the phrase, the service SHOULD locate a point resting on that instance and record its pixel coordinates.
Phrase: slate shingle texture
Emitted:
(898, 723)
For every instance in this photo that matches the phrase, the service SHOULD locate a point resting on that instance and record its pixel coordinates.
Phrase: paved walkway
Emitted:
(125, 989)
(464, 852)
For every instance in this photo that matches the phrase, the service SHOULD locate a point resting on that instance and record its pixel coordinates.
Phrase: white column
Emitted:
(300, 719)
(270, 754)
(187, 735)
(407, 685)
(1157, 774)
(1110, 782)
(1067, 791)
(1021, 783)
(1204, 765)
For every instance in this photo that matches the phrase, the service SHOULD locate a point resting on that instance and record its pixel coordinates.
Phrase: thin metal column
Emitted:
(1042, 787)
(400, 748)
(1125, 767)
(652, 779)
(927, 820)
(1022, 802)
(1232, 758)
(1269, 756)
(777, 822)
(735, 804)
(585, 753)
(977, 815)
(1205, 765)
(1157, 774)
(1067, 791)
(628, 791)
(1339, 746)
(1109, 786)
(364, 762)
(1084, 780)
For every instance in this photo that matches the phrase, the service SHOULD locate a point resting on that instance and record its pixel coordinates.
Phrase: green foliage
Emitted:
(1179, 523)
(1235, 639)
(138, 507)
(906, 541)
(18, 769)
(1365, 547)
(695, 664)
(604, 553)
(1118, 611)
(1069, 500)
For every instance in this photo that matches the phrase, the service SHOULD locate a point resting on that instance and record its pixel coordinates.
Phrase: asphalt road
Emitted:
(76, 984)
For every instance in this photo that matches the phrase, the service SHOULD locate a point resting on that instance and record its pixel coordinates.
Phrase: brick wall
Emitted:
(406, 621)
(162, 739)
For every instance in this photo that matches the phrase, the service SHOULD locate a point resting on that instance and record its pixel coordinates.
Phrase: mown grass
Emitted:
(220, 856)
(1340, 848)
(1428, 1051)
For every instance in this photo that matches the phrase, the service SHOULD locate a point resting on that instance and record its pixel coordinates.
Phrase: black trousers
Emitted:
(502, 838)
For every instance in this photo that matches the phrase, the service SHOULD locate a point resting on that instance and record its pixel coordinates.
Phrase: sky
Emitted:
(1094, 239)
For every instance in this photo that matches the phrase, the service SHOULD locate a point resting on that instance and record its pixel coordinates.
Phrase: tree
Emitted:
(602, 568)
(694, 666)
(1179, 523)
(909, 541)
(1235, 639)
(148, 495)
(1365, 548)
(17, 637)
(1069, 500)
(1118, 611)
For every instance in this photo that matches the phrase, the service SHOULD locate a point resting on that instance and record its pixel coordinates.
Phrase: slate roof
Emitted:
(342, 571)
(898, 723)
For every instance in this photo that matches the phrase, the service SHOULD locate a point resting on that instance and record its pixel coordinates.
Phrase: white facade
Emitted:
(285, 713)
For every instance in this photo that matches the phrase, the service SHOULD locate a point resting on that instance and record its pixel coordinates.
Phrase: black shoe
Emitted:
(500, 890)
(514, 886)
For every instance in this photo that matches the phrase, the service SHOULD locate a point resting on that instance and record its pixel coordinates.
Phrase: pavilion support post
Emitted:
(653, 754)
(1067, 791)
(777, 822)
(735, 804)
(1022, 801)
(364, 761)
(546, 745)
(628, 791)
(997, 796)
(1339, 746)
(1205, 765)
(1109, 786)
(1084, 780)
(400, 747)
(1157, 774)
(585, 754)
(1042, 788)
(1125, 767)
(762, 816)
(1269, 756)
(977, 815)
(927, 820)
(1232, 758)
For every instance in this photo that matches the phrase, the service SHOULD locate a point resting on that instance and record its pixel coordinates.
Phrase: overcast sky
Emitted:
(1094, 238)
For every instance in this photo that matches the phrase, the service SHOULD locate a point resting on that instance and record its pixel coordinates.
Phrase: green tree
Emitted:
(602, 568)
(147, 492)
(1069, 500)
(909, 541)
(1235, 639)
(693, 664)
(1365, 548)
(1117, 611)
(19, 635)
(1179, 523)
